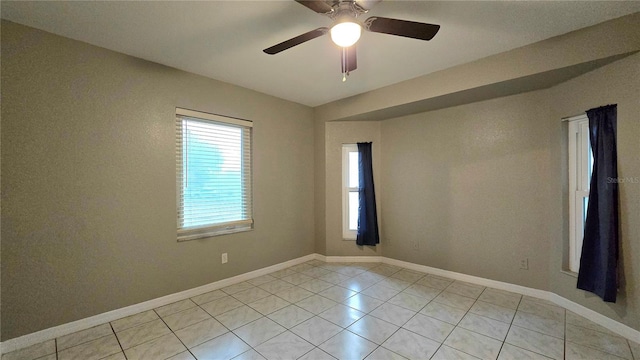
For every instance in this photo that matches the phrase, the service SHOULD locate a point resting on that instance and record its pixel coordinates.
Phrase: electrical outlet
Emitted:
(224, 258)
(524, 264)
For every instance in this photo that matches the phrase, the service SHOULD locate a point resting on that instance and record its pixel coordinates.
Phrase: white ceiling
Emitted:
(223, 40)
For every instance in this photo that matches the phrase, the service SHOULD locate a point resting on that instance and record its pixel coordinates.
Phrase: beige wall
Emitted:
(336, 134)
(618, 83)
(483, 185)
(88, 188)
(88, 193)
(320, 188)
(469, 185)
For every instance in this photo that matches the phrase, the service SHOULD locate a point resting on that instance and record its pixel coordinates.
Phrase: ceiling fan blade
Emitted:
(296, 41)
(318, 6)
(367, 4)
(348, 59)
(411, 29)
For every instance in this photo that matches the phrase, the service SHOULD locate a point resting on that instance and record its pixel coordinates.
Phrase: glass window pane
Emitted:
(354, 200)
(585, 205)
(212, 174)
(590, 165)
(353, 169)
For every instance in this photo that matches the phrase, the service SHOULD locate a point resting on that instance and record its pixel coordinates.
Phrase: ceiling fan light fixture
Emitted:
(346, 33)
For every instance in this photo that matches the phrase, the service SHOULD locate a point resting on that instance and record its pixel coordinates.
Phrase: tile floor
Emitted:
(320, 310)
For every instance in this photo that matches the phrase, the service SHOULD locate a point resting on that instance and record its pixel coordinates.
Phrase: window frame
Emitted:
(220, 228)
(347, 233)
(580, 168)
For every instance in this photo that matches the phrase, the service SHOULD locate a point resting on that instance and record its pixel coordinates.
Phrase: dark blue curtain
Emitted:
(599, 261)
(367, 214)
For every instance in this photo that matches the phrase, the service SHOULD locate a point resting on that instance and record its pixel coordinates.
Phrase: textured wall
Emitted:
(89, 189)
(469, 184)
(618, 83)
(483, 185)
(336, 134)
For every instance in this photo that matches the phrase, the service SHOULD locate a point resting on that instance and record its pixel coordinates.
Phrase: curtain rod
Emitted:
(570, 118)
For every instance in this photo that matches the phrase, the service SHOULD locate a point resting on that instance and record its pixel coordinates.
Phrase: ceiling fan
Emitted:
(346, 28)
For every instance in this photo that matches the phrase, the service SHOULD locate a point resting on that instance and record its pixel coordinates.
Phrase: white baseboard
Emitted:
(596, 317)
(65, 329)
(352, 259)
(616, 327)
(541, 294)
(82, 324)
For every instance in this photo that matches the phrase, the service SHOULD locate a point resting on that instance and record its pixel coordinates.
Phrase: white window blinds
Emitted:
(213, 158)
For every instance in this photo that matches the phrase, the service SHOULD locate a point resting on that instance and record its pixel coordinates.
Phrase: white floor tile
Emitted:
(384, 354)
(174, 308)
(373, 329)
(316, 354)
(142, 333)
(207, 297)
(473, 343)
(537, 323)
(449, 353)
(284, 346)
(259, 331)
(80, 337)
(237, 317)
(500, 297)
(290, 316)
(580, 352)
(92, 350)
(223, 347)
(269, 304)
(185, 355)
(134, 320)
(510, 352)
(392, 313)
(493, 311)
(429, 327)
(485, 326)
(614, 345)
(348, 346)
(33, 351)
(186, 318)
(316, 330)
(411, 345)
(160, 348)
(536, 342)
(198, 333)
(318, 310)
(249, 355)
(443, 312)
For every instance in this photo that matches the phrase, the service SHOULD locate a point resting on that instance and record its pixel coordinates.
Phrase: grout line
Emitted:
(359, 292)
(511, 323)
(566, 321)
(117, 339)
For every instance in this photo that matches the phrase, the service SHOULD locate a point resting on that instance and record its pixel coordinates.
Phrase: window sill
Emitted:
(569, 273)
(197, 236)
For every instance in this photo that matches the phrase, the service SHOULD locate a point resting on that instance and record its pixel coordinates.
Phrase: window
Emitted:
(350, 191)
(213, 158)
(580, 167)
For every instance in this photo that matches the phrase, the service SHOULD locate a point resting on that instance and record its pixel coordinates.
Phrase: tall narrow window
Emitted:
(580, 167)
(350, 191)
(213, 156)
